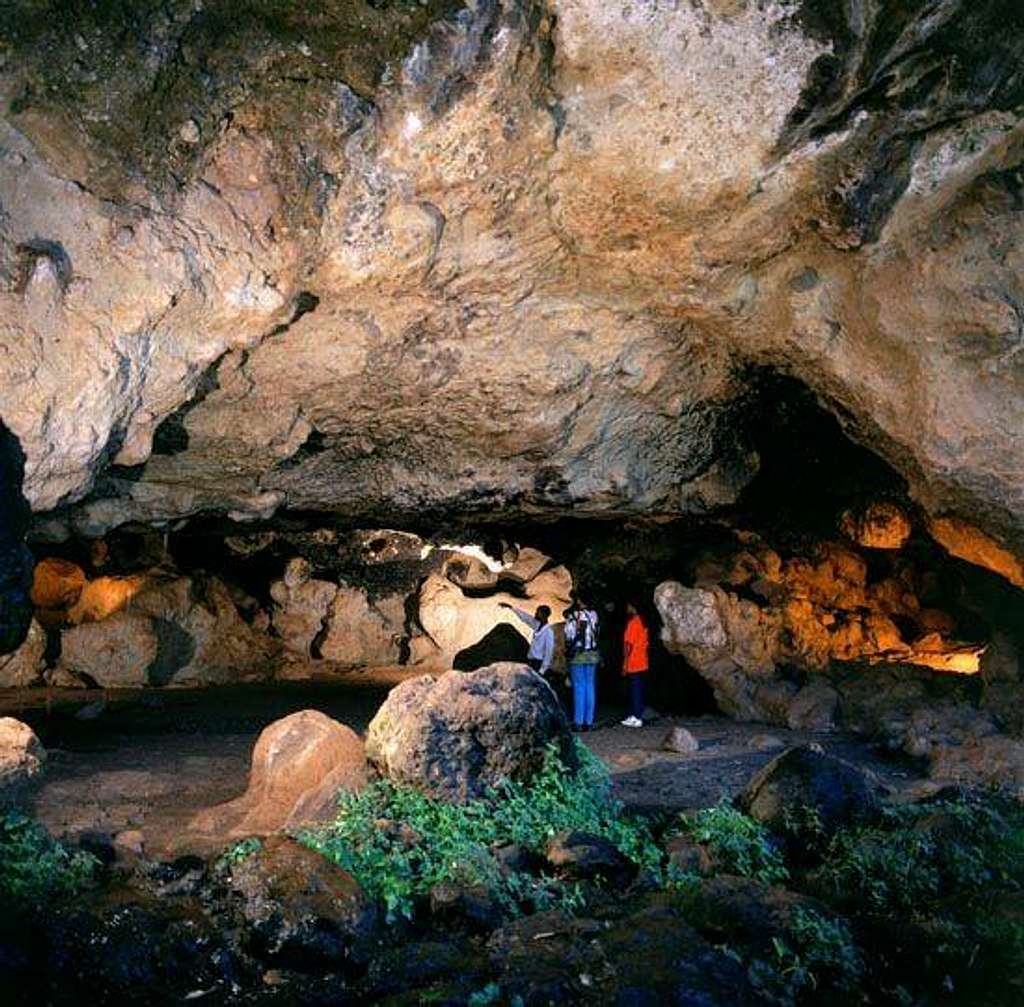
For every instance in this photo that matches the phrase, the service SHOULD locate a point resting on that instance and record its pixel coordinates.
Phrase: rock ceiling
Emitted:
(400, 258)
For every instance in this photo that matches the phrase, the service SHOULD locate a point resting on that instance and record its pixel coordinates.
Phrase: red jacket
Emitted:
(635, 647)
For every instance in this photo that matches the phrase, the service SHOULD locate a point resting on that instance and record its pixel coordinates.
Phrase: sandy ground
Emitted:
(149, 760)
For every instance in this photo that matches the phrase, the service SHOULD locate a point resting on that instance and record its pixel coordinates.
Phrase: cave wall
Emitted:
(395, 260)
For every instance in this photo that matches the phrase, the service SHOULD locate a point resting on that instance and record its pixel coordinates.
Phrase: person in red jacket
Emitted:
(635, 663)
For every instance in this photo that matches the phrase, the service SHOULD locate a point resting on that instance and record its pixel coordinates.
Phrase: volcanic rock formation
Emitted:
(399, 258)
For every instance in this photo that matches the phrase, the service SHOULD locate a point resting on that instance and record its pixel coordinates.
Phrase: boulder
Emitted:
(364, 632)
(115, 653)
(56, 583)
(688, 857)
(470, 907)
(455, 736)
(301, 604)
(741, 911)
(299, 910)
(813, 708)
(806, 778)
(24, 666)
(680, 740)
(880, 525)
(580, 856)
(299, 764)
(989, 761)
(21, 758)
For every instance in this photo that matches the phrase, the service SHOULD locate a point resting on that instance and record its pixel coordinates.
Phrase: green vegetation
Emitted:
(240, 851)
(738, 844)
(34, 867)
(441, 842)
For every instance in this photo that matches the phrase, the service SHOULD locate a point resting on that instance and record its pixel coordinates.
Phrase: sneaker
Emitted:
(632, 722)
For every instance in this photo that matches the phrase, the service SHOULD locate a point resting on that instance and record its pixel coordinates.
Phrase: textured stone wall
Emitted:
(403, 259)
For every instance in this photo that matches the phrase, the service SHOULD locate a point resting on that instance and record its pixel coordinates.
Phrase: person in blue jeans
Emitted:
(584, 657)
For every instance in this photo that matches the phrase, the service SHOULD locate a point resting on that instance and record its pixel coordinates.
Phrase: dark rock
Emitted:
(125, 953)
(419, 964)
(584, 857)
(517, 859)
(457, 736)
(733, 910)
(16, 562)
(503, 643)
(799, 778)
(647, 954)
(689, 857)
(472, 907)
(300, 910)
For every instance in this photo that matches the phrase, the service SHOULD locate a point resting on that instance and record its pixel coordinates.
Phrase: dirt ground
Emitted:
(149, 760)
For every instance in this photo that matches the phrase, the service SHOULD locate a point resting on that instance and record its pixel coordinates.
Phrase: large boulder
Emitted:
(21, 758)
(25, 665)
(299, 764)
(299, 910)
(455, 736)
(806, 778)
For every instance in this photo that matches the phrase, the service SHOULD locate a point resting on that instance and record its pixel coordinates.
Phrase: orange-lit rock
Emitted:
(299, 764)
(301, 604)
(102, 597)
(880, 525)
(962, 539)
(56, 583)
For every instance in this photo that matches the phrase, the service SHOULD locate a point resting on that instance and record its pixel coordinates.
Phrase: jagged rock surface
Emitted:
(422, 258)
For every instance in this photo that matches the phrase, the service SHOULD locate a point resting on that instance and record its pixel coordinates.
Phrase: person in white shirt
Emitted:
(542, 647)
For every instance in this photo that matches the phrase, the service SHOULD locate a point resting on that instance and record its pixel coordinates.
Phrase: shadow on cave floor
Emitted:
(151, 759)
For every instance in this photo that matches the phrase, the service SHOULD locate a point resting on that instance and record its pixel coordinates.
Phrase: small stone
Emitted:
(680, 740)
(189, 132)
(760, 742)
(131, 841)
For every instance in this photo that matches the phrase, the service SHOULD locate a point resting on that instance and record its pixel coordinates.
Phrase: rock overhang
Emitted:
(523, 264)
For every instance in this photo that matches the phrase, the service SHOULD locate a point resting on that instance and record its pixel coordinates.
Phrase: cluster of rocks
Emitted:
(815, 642)
(157, 627)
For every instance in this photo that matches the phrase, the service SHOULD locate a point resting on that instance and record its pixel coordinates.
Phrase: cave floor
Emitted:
(150, 759)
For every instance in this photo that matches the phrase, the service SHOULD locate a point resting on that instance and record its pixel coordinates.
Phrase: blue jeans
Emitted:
(583, 698)
(635, 685)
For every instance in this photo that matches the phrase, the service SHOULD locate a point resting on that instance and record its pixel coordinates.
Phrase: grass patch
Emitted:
(34, 867)
(453, 843)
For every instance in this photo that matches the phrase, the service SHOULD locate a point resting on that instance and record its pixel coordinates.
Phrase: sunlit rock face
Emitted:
(404, 259)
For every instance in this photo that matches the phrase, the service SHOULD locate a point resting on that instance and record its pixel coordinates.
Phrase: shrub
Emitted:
(446, 842)
(738, 844)
(34, 867)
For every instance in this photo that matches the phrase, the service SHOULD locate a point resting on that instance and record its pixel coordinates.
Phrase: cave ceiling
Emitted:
(395, 258)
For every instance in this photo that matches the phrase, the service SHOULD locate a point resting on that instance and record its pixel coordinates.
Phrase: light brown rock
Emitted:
(25, 666)
(363, 632)
(116, 653)
(680, 740)
(299, 764)
(301, 605)
(21, 757)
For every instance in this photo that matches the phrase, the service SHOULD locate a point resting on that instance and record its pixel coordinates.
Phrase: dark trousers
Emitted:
(635, 685)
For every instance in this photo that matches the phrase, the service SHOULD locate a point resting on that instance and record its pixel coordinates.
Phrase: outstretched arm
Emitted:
(530, 621)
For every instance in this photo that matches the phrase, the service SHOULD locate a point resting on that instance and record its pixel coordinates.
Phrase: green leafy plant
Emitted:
(738, 844)
(423, 841)
(239, 851)
(34, 867)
